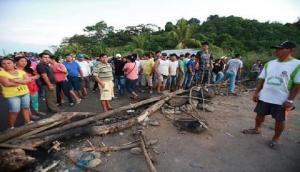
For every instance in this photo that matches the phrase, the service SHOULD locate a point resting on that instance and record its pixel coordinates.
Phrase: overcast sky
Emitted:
(34, 25)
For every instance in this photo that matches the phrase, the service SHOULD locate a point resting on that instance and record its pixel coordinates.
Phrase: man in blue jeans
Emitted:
(190, 73)
(74, 71)
(233, 66)
(118, 65)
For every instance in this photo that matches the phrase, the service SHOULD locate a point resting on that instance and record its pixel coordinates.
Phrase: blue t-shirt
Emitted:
(189, 64)
(72, 68)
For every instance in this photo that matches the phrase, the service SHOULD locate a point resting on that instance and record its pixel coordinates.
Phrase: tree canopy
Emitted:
(226, 35)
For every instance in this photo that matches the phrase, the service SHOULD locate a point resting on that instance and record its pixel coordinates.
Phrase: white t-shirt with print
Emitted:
(173, 67)
(279, 78)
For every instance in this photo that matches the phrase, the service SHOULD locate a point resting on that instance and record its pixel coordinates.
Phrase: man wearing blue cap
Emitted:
(276, 89)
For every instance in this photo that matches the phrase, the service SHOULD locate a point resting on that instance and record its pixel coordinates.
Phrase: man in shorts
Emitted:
(277, 87)
(162, 70)
(104, 77)
(147, 71)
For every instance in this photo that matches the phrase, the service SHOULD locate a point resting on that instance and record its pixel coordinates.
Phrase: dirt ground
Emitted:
(221, 148)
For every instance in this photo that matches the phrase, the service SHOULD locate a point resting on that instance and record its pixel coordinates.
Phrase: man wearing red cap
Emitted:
(276, 89)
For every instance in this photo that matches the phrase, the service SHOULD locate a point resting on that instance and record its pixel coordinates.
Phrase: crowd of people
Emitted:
(25, 78)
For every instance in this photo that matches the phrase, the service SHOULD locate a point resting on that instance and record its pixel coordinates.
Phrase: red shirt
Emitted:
(57, 71)
(32, 87)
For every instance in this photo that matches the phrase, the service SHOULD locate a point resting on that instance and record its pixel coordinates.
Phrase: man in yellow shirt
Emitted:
(147, 71)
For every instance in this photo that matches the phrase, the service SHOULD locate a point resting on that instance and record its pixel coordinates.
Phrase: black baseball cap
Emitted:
(285, 44)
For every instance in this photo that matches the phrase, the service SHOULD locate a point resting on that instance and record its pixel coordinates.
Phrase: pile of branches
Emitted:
(69, 124)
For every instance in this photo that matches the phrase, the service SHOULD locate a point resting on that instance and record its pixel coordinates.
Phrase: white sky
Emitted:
(33, 25)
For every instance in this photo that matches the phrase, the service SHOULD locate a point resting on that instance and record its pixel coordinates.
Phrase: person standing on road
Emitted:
(86, 71)
(48, 82)
(104, 77)
(147, 72)
(256, 69)
(205, 63)
(22, 63)
(131, 71)
(174, 67)
(162, 70)
(277, 86)
(233, 67)
(62, 84)
(190, 73)
(181, 72)
(118, 65)
(14, 89)
(74, 74)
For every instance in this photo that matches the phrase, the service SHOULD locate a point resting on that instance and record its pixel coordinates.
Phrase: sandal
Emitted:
(250, 131)
(273, 145)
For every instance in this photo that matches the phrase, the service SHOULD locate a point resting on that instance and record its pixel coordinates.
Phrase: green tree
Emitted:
(99, 30)
(182, 35)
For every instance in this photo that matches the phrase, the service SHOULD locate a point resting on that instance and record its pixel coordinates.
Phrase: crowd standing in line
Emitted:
(24, 79)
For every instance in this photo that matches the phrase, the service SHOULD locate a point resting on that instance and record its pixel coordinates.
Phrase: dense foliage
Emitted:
(227, 35)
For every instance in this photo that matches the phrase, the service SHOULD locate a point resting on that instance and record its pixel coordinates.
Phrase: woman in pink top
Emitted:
(131, 71)
(60, 75)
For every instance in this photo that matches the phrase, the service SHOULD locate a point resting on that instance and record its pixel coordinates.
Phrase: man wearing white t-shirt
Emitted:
(233, 67)
(173, 72)
(162, 70)
(86, 71)
(276, 89)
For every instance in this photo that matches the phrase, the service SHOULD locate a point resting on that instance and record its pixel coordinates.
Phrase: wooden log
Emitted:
(11, 146)
(90, 130)
(100, 130)
(158, 105)
(8, 134)
(146, 155)
(105, 149)
(54, 164)
(98, 117)
(37, 130)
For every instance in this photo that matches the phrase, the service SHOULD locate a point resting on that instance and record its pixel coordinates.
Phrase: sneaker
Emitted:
(30, 122)
(79, 101)
(71, 104)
